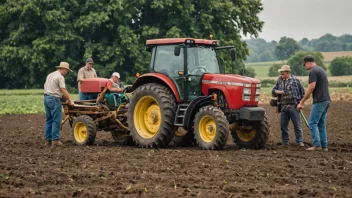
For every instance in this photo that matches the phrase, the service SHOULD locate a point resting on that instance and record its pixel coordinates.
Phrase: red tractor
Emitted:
(186, 98)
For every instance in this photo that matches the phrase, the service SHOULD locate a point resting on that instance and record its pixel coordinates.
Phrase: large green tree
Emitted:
(286, 48)
(36, 35)
(296, 62)
(341, 66)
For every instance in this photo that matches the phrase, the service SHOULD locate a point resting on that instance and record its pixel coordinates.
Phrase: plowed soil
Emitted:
(30, 169)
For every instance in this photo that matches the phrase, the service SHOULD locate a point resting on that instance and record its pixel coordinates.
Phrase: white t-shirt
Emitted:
(53, 84)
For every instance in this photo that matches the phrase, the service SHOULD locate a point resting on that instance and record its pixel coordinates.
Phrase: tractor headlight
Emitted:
(247, 91)
(257, 91)
(247, 98)
(257, 98)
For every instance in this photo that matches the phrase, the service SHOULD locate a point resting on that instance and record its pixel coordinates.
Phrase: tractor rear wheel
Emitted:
(83, 130)
(211, 129)
(151, 116)
(254, 138)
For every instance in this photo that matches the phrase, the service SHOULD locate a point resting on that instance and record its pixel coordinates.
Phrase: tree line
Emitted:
(261, 51)
(36, 35)
(340, 66)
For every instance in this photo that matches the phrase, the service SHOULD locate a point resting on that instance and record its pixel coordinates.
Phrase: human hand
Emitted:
(279, 92)
(129, 89)
(299, 106)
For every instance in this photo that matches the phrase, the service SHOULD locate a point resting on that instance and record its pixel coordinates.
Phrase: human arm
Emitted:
(309, 91)
(66, 96)
(112, 88)
(80, 77)
(275, 91)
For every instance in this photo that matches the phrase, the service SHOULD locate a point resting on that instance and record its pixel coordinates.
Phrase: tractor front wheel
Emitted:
(253, 138)
(211, 129)
(83, 130)
(151, 116)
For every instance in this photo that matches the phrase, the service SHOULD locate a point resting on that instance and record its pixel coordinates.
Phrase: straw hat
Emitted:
(64, 65)
(284, 68)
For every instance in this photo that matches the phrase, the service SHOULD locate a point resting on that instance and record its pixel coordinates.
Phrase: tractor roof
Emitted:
(178, 41)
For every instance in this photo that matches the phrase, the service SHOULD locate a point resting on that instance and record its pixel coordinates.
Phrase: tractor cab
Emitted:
(184, 61)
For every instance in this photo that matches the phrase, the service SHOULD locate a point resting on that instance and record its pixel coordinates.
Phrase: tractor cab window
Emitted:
(202, 60)
(166, 61)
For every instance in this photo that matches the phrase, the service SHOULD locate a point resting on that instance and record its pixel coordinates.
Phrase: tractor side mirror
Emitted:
(242, 72)
(233, 54)
(177, 50)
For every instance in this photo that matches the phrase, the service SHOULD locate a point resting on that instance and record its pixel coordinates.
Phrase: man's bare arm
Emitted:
(66, 96)
(309, 91)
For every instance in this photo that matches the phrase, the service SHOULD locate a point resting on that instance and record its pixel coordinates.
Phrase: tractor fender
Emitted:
(193, 108)
(160, 79)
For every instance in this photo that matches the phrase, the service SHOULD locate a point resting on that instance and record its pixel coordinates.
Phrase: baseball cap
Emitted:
(116, 74)
(90, 61)
(308, 59)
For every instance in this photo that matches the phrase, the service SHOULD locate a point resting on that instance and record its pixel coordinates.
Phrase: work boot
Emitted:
(47, 143)
(325, 149)
(314, 148)
(56, 143)
(300, 144)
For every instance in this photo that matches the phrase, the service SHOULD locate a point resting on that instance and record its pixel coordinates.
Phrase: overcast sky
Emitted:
(305, 18)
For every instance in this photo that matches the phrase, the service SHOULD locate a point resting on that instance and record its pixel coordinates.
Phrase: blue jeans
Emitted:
(317, 124)
(90, 96)
(53, 110)
(294, 115)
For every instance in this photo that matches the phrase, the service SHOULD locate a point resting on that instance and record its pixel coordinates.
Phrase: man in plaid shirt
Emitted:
(290, 92)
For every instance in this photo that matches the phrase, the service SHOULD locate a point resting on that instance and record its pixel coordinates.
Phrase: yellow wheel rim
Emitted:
(147, 117)
(246, 136)
(207, 129)
(80, 132)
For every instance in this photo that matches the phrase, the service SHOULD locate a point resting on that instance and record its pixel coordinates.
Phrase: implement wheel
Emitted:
(211, 129)
(83, 130)
(254, 138)
(151, 116)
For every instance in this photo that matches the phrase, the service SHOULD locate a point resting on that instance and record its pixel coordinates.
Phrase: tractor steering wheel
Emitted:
(199, 70)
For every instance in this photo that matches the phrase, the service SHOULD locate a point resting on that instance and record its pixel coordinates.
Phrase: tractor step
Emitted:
(180, 115)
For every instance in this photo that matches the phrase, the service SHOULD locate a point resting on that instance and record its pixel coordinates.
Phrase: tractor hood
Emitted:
(230, 78)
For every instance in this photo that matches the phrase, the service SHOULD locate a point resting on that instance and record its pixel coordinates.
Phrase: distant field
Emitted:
(25, 101)
(261, 71)
(262, 68)
(329, 56)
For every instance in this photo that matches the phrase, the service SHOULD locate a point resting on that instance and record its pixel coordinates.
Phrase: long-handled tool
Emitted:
(304, 118)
